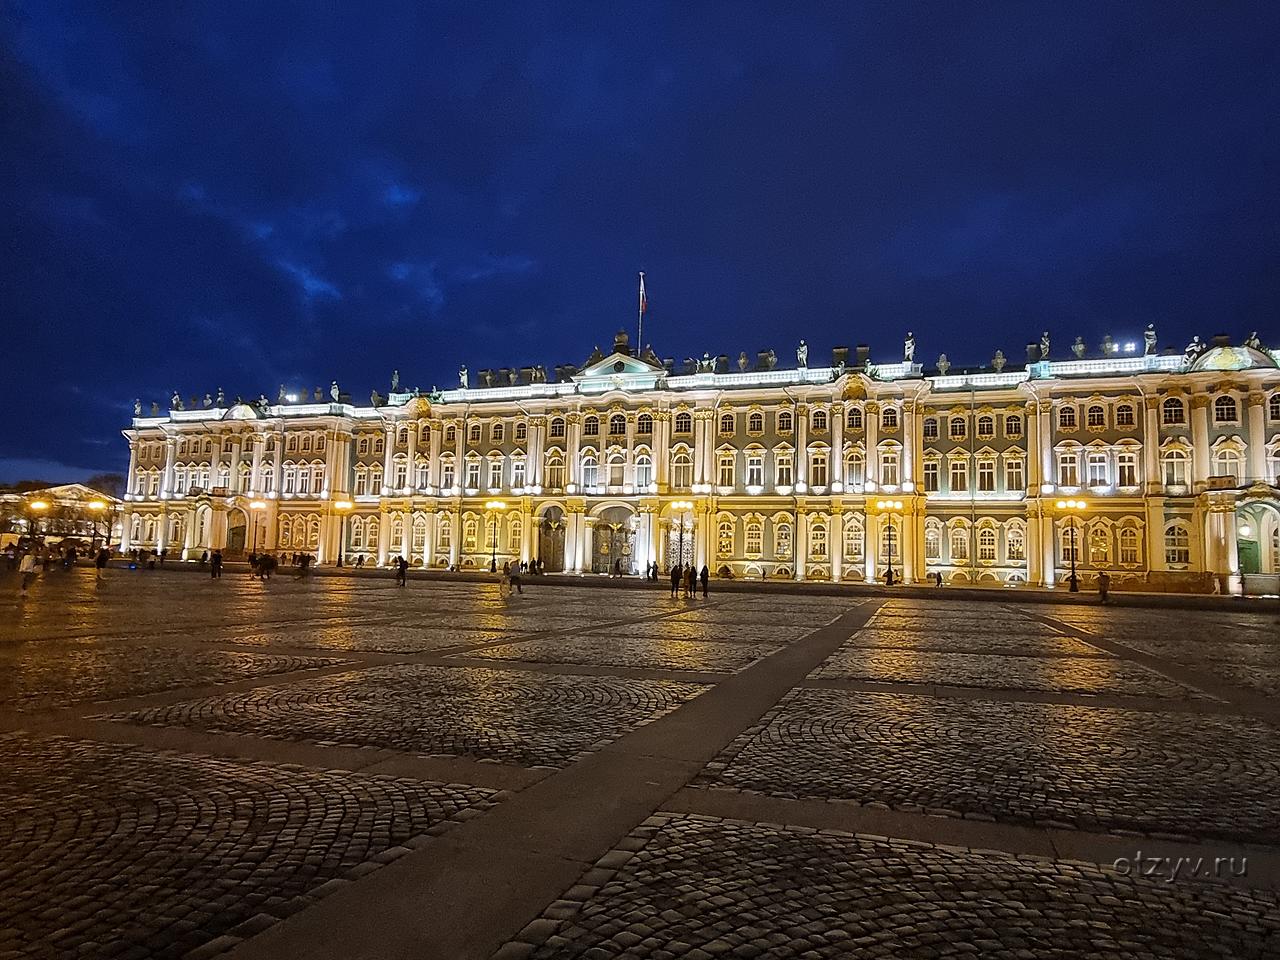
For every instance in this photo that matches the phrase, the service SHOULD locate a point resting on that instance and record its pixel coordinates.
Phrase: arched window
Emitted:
(1126, 416)
(397, 533)
(959, 544)
(855, 469)
(402, 439)
(473, 434)
(556, 429)
(818, 421)
(932, 542)
(724, 537)
(522, 432)
(497, 432)
(1099, 546)
(357, 534)
(617, 469)
(375, 478)
(818, 540)
(1228, 463)
(515, 534)
(987, 544)
(726, 423)
(931, 428)
(782, 540)
(590, 470)
(1177, 544)
(682, 470)
(754, 538)
(1069, 542)
(1013, 426)
(1273, 407)
(285, 534)
(1096, 416)
(617, 425)
(1224, 409)
(555, 471)
(1067, 417)
(444, 533)
(889, 418)
(1015, 543)
(644, 425)
(371, 531)
(419, 543)
(853, 418)
(470, 534)
(890, 542)
(313, 533)
(591, 427)
(957, 428)
(986, 427)
(786, 423)
(1172, 412)
(684, 422)
(853, 539)
(1175, 468)
(644, 470)
(1130, 545)
(755, 423)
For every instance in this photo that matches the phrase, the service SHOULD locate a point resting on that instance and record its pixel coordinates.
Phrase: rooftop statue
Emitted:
(486, 377)
(1149, 340)
(1044, 345)
(281, 396)
(1253, 341)
(743, 361)
(462, 376)
(1078, 348)
(943, 364)
(374, 399)
(771, 360)
(395, 380)
(1194, 349)
(208, 401)
(222, 398)
(998, 361)
(334, 392)
(137, 408)
(802, 355)
(319, 395)
(1108, 346)
(909, 347)
(175, 402)
(513, 376)
(155, 409)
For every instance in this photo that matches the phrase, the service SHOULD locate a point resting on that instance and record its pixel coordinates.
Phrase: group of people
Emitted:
(35, 558)
(511, 580)
(687, 578)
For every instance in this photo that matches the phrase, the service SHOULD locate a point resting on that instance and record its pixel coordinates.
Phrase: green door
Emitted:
(1250, 556)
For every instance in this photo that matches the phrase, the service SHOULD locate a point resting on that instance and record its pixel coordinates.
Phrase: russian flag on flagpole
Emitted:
(644, 304)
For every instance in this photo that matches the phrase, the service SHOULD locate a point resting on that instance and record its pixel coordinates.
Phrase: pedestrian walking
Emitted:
(675, 580)
(100, 562)
(1104, 585)
(690, 577)
(215, 565)
(704, 576)
(204, 559)
(27, 570)
(402, 571)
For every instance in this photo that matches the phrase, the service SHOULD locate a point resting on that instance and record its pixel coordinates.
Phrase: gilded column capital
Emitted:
(1200, 401)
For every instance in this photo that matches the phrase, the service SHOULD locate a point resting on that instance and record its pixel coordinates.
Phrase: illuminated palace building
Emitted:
(1155, 467)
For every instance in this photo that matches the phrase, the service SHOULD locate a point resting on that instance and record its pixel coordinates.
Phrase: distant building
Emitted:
(69, 511)
(814, 473)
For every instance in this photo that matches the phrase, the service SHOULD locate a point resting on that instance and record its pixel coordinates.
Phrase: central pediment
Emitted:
(618, 365)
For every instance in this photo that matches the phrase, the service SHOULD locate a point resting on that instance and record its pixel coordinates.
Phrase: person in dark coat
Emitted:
(704, 576)
(675, 580)
(215, 565)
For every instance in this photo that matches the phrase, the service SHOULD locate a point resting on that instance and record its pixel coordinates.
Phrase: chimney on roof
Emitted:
(864, 354)
(1221, 340)
(622, 343)
(839, 356)
(1033, 352)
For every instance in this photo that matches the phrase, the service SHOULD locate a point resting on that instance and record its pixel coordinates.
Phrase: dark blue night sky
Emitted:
(198, 195)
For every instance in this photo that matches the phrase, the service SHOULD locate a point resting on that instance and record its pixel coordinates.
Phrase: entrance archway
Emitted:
(613, 540)
(551, 529)
(1258, 545)
(237, 531)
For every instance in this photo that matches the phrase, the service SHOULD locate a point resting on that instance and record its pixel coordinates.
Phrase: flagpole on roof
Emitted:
(640, 320)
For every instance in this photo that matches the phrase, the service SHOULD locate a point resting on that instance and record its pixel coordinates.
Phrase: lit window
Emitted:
(1126, 416)
(754, 534)
(591, 427)
(930, 476)
(557, 428)
(684, 422)
(1016, 544)
(617, 425)
(1224, 410)
(755, 423)
(818, 541)
(1067, 418)
(986, 427)
(1127, 469)
(783, 469)
(498, 432)
(1013, 476)
(1069, 469)
(1013, 426)
(853, 419)
(987, 476)
(817, 469)
(726, 423)
(644, 425)
(1172, 412)
(1129, 545)
(930, 428)
(1175, 468)
(1097, 469)
(959, 544)
(958, 429)
(959, 476)
(818, 421)
(785, 421)
(1096, 416)
(755, 469)
(987, 545)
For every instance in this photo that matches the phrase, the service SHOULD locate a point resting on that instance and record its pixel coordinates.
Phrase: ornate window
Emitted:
(497, 432)
(495, 474)
(375, 478)
(959, 544)
(724, 537)
(931, 428)
(515, 534)
(855, 469)
(932, 541)
(755, 423)
(1126, 469)
(957, 428)
(986, 427)
(889, 418)
(959, 474)
(1099, 546)
(363, 446)
(644, 470)
(754, 538)
(987, 545)
(1228, 463)
(357, 534)
(518, 478)
(419, 543)
(617, 425)
(782, 540)
(726, 424)
(590, 470)
(1273, 407)
(1172, 412)
(854, 538)
(684, 422)
(818, 421)
(783, 468)
(786, 422)
(889, 467)
(681, 470)
(473, 475)
(1126, 416)
(1069, 543)
(818, 468)
(473, 434)
(617, 469)
(931, 476)
(1130, 545)
(444, 533)
(591, 426)
(1225, 409)
(853, 418)
(890, 542)
(818, 540)
(556, 429)
(1175, 468)
(470, 534)
(1014, 478)
(986, 475)
(1096, 416)
(644, 425)
(1013, 426)
(1015, 544)
(1097, 466)
(1068, 468)
(1066, 417)
(755, 468)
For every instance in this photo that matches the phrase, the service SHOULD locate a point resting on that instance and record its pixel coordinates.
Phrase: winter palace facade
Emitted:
(1160, 468)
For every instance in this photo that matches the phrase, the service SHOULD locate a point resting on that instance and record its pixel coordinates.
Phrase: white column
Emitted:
(455, 541)
(406, 525)
(1151, 445)
(801, 545)
(1257, 453)
(572, 521)
(573, 454)
(429, 546)
(1200, 440)
(802, 452)
(1045, 439)
(166, 481)
(662, 448)
(836, 467)
(388, 465)
(279, 464)
(871, 419)
(411, 470)
(237, 443)
(835, 545)
(384, 538)
(255, 471)
(871, 543)
(437, 437)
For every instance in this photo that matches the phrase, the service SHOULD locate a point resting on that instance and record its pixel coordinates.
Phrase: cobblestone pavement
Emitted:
(640, 652)
(1090, 767)
(1090, 675)
(698, 887)
(1032, 731)
(34, 676)
(509, 716)
(110, 850)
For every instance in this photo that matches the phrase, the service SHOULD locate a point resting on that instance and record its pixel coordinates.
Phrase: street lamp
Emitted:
(494, 507)
(1071, 509)
(680, 506)
(257, 506)
(98, 507)
(342, 506)
(889, 505)
(37, 507)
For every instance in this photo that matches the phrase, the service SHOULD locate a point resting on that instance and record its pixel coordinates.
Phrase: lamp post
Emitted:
(680, 506)
(494, 507)
(889, 505)
(98, 507)
(343, 507)
(1071, 510)
(256, 506)
(38, 508)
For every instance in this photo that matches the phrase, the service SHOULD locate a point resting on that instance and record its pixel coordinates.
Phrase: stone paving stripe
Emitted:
(1192, 676)
(578, 669)
(1017, 839)
(547, 833)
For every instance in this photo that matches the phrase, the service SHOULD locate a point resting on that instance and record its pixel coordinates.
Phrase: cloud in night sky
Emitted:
(244, 194)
